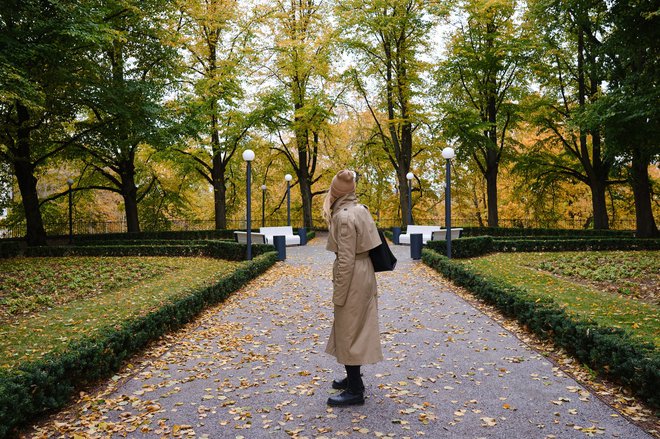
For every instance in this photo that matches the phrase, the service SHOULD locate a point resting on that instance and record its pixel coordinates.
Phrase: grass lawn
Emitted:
(615, 289)
(47, 302)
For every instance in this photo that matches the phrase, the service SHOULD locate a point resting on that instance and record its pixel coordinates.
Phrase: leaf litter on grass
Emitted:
(30, 337)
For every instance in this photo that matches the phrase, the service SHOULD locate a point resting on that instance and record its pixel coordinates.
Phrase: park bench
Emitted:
(441, 235)
(426, 231)
(286, 231)
(256, 238)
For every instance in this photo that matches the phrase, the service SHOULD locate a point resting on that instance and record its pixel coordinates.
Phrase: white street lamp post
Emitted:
(288, 179)
(410, 176)
(248, 156)
(448, 154)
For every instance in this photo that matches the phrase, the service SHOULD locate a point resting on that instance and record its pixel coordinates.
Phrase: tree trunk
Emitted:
(403, 195)
(27, 183)
(306, 194)
(641, 186)
(599, 205)
(219, 192)
(491, 191)
(129, 194)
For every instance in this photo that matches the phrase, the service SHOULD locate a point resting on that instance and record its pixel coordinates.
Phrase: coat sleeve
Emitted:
(343, 274)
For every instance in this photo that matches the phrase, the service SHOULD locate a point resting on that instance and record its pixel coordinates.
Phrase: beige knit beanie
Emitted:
(343, 183)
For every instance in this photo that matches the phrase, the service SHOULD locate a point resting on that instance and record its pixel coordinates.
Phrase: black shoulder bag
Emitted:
(381, 256)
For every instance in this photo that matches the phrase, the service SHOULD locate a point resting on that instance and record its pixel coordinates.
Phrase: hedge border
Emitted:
(47, 384)
(480, 245)
(611, 352)
(10, 249)
(229, 250)
(189, 235)
(519, 231)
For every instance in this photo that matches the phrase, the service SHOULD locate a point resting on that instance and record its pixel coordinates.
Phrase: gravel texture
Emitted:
(255, 367)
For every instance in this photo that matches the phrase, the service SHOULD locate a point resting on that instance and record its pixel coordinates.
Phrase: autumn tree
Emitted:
(569, 69)
(483, 80)
(298, 106)
(124, 99)
(217, 37)
(629, 112)
(389, 37)
(41, 60)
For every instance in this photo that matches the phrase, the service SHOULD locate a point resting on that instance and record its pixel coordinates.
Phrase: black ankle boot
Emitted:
(346, 398)
(343, 385)
(340, 384)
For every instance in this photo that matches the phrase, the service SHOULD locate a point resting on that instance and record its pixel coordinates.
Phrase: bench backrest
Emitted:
(256, 238)
(421, 229)
(276, 231)
(441, 235)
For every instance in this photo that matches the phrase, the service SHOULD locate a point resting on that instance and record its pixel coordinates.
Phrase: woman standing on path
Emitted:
(355, 336)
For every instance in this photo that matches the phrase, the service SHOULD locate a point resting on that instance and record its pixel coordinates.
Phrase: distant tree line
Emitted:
(154, 100)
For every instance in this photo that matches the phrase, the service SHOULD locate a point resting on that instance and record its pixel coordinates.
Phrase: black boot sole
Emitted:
(347, 403)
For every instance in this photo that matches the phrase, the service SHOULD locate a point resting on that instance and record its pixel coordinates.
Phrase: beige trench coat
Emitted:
(355, 336)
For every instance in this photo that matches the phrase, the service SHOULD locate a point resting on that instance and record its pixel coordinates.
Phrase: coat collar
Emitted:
(344, 201)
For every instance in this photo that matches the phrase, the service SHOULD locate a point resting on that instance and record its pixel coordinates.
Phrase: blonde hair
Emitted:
(327, 207)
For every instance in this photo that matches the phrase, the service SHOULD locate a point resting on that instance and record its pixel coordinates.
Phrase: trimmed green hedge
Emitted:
(229, 250)
(10, 249)
(464, 247)
(181, 235)
(610, 351)
(37, 387)
(588, 244)
(573, 233)
(235, 251)
(124, 242)
(481, 245)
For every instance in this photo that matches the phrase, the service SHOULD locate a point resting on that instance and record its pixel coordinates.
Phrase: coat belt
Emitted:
(363, 255)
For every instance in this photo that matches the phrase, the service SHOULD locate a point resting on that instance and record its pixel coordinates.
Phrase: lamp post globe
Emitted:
(288, 179)
(448, 153)
(248, 156)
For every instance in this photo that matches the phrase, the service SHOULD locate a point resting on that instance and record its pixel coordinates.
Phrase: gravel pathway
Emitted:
(255, 367)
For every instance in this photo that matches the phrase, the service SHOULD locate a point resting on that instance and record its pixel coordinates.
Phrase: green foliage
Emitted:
(117, 250)
(609, 351)
(229, 250)
(28, 284)
(39, 386)
(41, 60)
(593, 302)
(603, 267)
(591, 244)
(188, 235)
(124, 122)
(464, 247)
(9, 249)
(233, 251)
(545, 233)
(533, 240)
